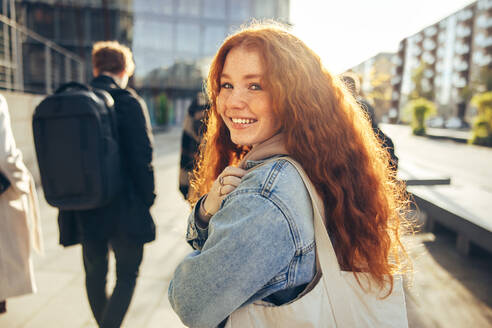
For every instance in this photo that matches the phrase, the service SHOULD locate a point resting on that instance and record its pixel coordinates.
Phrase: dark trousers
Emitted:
(110, 311)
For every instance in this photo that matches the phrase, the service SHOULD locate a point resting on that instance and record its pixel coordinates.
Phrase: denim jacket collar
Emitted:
(250, 164)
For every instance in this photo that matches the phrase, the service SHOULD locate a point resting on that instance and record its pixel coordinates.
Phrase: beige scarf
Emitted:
(268, 148)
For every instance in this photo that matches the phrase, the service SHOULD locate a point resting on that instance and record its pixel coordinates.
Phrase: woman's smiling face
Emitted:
(243, 103)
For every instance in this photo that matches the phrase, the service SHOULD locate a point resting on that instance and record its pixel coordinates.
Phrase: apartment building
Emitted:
(454, 51)
(375, 75)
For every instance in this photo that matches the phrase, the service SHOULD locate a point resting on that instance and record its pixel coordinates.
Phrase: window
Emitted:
(214, 35)
(264, 9)
(239, 10)
(214, 9)
(70, 21)
(189, 8)
(188, 38)
(42, 20)
(153, 34)
(164, 7)
(283, 10)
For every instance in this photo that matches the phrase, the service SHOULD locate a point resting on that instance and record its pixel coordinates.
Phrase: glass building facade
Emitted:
(174, 42)
(74, 25)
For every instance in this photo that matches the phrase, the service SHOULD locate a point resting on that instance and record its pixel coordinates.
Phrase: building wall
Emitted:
(167, 31)
(454, 51)
(74, 25)
(375, 74)
(174, 40)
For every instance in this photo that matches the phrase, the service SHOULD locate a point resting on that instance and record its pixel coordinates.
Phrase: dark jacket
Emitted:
(193, 131)
(386, 141)
(128, 215)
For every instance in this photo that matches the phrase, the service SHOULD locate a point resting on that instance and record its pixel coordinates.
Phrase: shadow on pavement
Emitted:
(473, 271)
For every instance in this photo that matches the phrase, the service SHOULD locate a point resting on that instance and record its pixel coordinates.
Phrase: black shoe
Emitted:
(3, 307)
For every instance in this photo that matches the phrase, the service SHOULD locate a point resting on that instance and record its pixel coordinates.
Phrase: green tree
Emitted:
(420, 109)
(422, 87)
(380, 93)
(482, 126)
(162, 112)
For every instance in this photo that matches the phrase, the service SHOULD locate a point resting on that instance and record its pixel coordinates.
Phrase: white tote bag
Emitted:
(337, 300)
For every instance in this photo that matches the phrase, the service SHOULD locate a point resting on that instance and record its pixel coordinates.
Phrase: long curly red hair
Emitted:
(330, 136)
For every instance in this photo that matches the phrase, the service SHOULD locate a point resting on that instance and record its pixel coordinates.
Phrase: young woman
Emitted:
(252, 223)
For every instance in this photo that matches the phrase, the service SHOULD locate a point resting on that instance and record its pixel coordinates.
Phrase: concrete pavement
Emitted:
(448, 290)
(61, 299)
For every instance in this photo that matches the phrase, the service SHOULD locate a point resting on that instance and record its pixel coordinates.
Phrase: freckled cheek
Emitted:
(220, 104)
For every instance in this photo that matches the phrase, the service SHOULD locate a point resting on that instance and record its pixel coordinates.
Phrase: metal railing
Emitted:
(31, 63)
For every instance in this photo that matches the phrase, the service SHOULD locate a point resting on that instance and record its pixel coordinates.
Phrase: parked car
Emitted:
(435, 122)
(455, 123)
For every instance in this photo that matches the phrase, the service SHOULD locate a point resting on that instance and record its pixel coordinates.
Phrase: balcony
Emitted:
(417, 38)
(416, 51)
(460, 66)
(463, 31)
(483, 40)
(484, 5)
(430, 31)
(461, 49)
(481, 59)
(397, 60)
(428, 58)
(465, 15)
(429, 73)
(429, 45)
(483, 21)
(459, 81)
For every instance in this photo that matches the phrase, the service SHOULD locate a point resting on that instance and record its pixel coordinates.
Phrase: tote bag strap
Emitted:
(330, 268)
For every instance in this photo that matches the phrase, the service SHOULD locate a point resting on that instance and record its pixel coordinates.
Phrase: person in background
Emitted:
(352, 82)
(125, 224)
(20, 229)
(193, 130)
(251, 227)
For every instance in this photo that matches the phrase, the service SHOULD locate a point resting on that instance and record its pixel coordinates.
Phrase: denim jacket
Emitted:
(258, 246)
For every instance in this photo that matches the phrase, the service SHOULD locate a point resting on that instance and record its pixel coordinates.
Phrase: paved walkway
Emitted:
(61, 299)
(448, 290)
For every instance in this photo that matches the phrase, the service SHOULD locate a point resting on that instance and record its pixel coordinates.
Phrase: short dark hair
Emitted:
(112, 57)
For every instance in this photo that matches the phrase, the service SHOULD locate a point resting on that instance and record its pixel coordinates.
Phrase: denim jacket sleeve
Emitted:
(195, 235)
(248, 242)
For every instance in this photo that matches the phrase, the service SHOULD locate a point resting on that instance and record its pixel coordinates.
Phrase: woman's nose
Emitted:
(236, 99)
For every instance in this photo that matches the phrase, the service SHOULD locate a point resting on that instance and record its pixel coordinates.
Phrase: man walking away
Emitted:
(193, 131)
(125, 224)
(351, 81)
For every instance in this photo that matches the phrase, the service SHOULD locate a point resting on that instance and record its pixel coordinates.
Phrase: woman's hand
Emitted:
(225, 183)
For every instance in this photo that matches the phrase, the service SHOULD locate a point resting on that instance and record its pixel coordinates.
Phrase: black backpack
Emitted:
(76, 139)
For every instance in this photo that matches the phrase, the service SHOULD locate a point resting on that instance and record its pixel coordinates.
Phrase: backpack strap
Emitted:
(72, 85)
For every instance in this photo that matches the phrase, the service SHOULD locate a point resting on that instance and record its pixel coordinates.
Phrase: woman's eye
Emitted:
(226, 85)
(255, 86)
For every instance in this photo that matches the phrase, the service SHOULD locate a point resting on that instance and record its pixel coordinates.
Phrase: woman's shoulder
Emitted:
(273, 175)
(278, 181)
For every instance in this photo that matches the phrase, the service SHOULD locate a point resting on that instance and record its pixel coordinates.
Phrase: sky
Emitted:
(345, 33)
